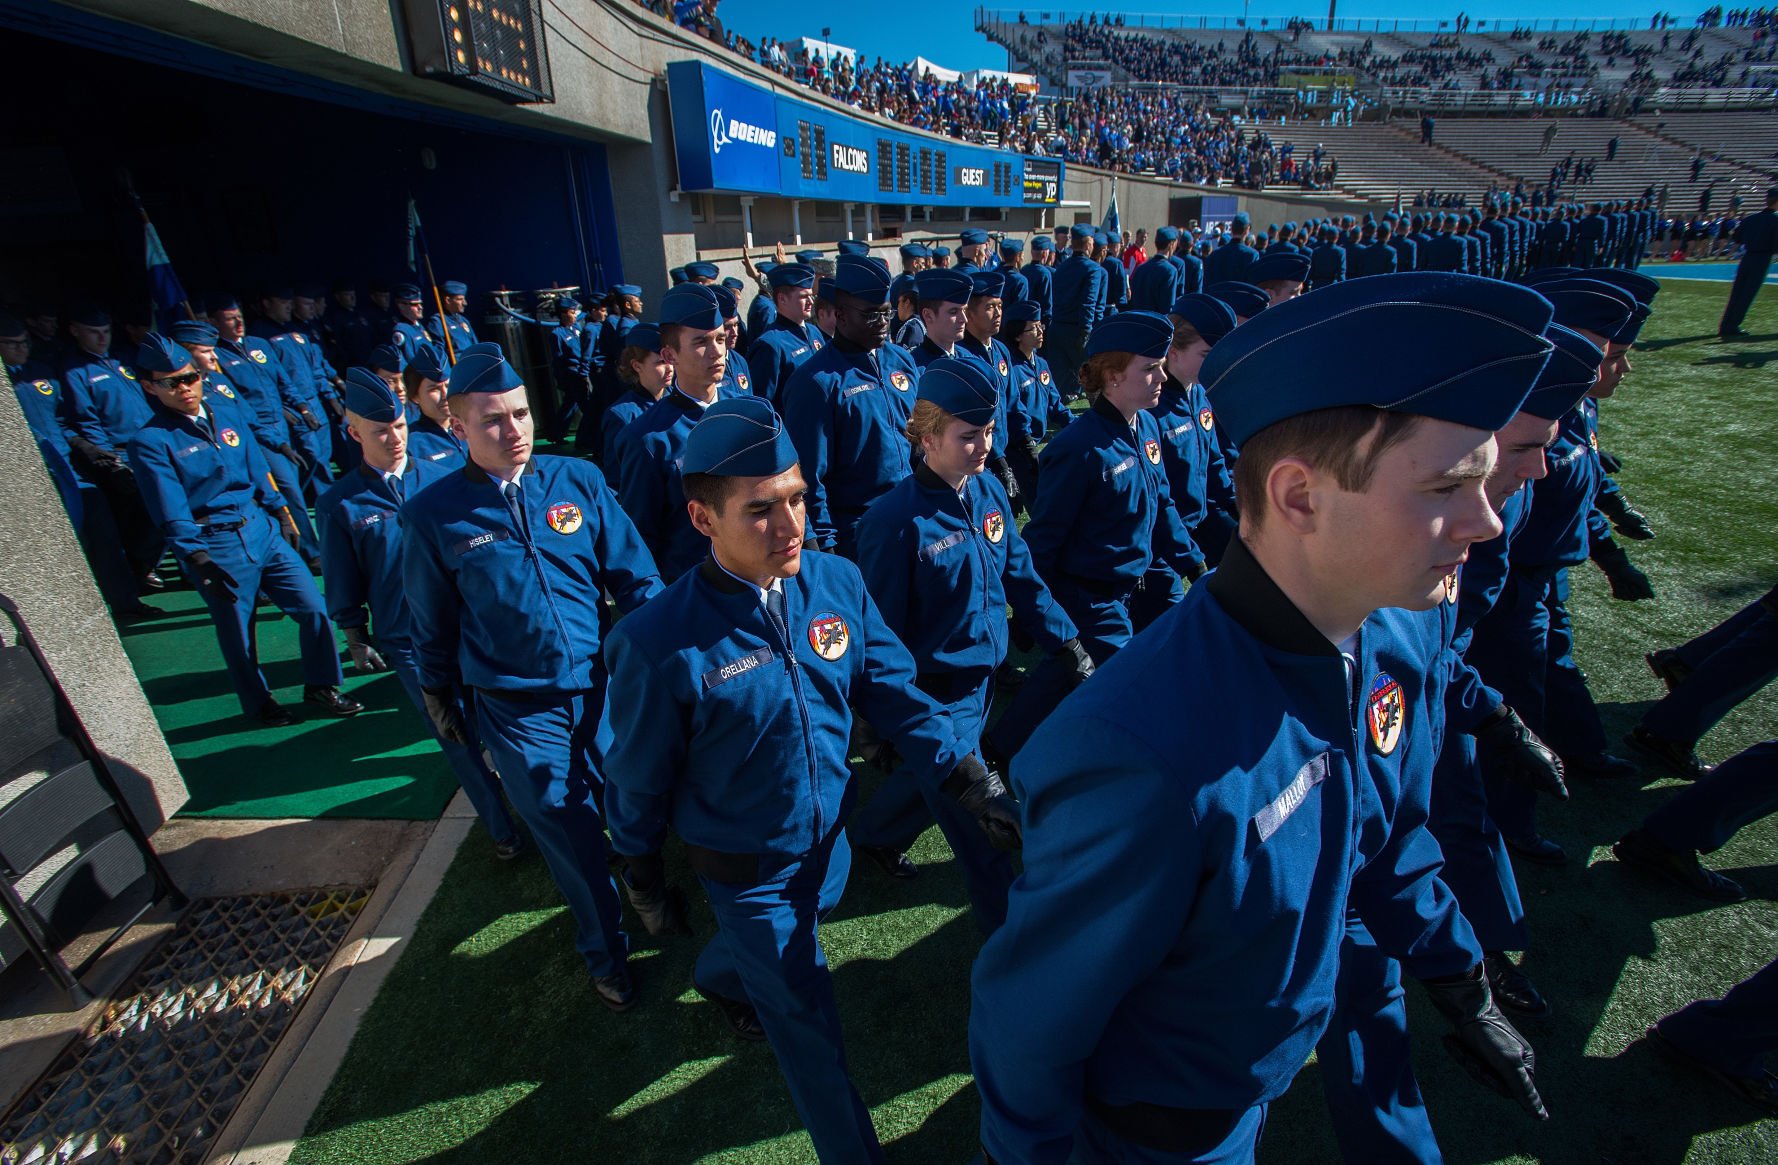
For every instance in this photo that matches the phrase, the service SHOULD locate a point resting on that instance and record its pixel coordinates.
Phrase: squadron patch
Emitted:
(1001, 366)
(1384, 712)
(1206, 418)
(225, 390)
(128, 374)
(745, 384)
(1043, 377)
(563, 517)
(258, 355)
(900, 381)
(994, 526)
(1153, 449)
(828, 636)
(44, 387)
(1451, 581)
(230, 438)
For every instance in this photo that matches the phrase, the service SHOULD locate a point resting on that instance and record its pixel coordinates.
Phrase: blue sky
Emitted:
(944, 30)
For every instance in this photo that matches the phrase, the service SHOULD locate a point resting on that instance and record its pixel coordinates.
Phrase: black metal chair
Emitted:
(70, 846)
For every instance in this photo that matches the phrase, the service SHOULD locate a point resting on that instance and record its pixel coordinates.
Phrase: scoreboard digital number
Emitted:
(496, 46)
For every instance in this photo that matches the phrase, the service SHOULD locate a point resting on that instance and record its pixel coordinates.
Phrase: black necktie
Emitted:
(397, 489)
(775, 612)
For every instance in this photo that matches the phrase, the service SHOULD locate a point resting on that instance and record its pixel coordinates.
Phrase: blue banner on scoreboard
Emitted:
(735, 137)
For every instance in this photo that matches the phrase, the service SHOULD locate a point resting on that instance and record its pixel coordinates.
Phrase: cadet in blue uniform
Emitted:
(972, 251)
(1244, 299)
(208, 491)
(1230, 261)
(625, 313)
(694, 342)
(504, 562)
(427, 385)
(1327, 262)
(1305, 676)
(361, 539)
(1039, 275)
(571, 368)
(406, 332)
(943, 558)
(789, 340)
(349, 330)
(1155, 284)
(1280, 275)
(1103, 513)
(646, 376)
(729, 708)
(1078, 289)
(452, 332)
(846, 408)
(737, 380)
(1036, 407)
(1197, 476)
(306, 385)
(981, 344)
(1758, 236)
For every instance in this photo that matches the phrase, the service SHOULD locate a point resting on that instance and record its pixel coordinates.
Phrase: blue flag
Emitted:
(1110, 225)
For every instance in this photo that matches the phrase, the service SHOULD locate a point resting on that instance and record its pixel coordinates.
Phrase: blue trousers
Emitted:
(1094, 1144)
(1160, 589)
(1367, 1065)
(478, 781)
(1104, 626)
(1735, 1032)
(766, 951)
(1477, 867)
(259, 560)
(287, 476)
(1729, 663)
(1705, 814)
(903, 807)
(1571, 723)
(1104, 623)
(548, 751)
(316, 446)
(1067, 346)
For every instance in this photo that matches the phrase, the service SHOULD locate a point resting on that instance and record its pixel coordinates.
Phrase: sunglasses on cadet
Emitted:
(183, 380)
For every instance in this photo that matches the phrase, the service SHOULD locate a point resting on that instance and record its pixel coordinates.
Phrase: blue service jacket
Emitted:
(361, 562)
(1229, 262)
(431, 442)
(994, 359)
(264, 383)
(1037, 409)
(943, 565)
(847, 411)
(512, 604)
(1103, 512)
(568, 352)
(647, 479)
(1445, 252)
(1154, 285)
(196, 473)
(760, 315)
(1327, 264)
(1196, 475)
(351, 334)
(1480, 581)
(40, 399)
(1557, 533)
(1039, 286)
(1077, 292)
(1191, 274)
(1376, 259)
(461, 330)
(102, 401)
(1407, 253)
(778, 351)
(407, 338)
(736, 739)
(1117, 284)
(1199, 872)
(307, 371)
(616, 421)
(911, 332)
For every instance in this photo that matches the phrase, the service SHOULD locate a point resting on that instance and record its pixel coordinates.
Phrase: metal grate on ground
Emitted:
(158, 1073)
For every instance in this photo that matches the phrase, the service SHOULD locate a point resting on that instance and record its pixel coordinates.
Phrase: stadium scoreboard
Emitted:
(496, 46)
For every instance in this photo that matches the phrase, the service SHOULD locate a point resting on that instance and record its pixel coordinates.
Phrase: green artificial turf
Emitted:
(380, 763)
(487, 1044)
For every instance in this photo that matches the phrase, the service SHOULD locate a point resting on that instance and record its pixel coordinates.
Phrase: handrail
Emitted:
(1342, 24)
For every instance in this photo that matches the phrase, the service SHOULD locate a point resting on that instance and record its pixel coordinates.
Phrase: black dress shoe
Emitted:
(1538, 849)
(137, 612)
(331, 701)
(274, 715)
(152, 581)
(1760, 1091)
(618, 992)
(1668, 667)
(1670, 753)
(1604, 767)
(1640, 849)
(511, 848)
(1733, 334)
(891, 861)
(742, 1018)
(1513, 989)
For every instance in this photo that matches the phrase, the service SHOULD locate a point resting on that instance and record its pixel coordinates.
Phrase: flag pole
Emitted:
(418, 231)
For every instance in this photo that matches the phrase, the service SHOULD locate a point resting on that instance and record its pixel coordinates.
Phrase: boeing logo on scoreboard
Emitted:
(726, 131)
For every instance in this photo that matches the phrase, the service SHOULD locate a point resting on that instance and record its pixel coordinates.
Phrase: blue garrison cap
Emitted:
(960, 388)
(1012, 246)
(1589, 305)
(942, 283)
(725, 301)
(279, 291)
(1166, 234)
(764, 266)
(1458, 348)
(404, 293)
(1641, 287)
(370, 396)
(484, 368)
(567, 303)
(1550, 275)
(645, 336)
(1023, 311)
(733, 284)
(1244, 299)
(386, 356)
(1081, 230)
(1285, 265)
(941, 251)
(860, 276)
(974, 236)
(199, 332)
(809, 257)
(691, 305)
(159, 354)
(987, 283)
(702, 270)
(429, 363)
(1242, 219)
(1209, 317)
(454, 287)
(854, 247)
(1042, 243)
(677, 275)
(90, 316)
(742, 437)
(628, 289)
(1573, 367)
(1144, 333)
(791, 275)
(915, 251)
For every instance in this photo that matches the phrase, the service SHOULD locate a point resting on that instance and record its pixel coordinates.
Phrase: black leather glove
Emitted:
(1003, 471)
(286, 450)
(1489, 1047)
(982, 794)
(1611, 463)
(1079, 663)
(311, 420)
(1625, 518)
(1627, 581)
(334, 408)
(660, 907)
(365, 658)
(446, 714)
(1510, 748)
(97, 458)
(211, 578)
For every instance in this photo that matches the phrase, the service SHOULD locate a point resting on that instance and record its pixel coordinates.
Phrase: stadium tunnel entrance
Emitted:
(253, 173)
